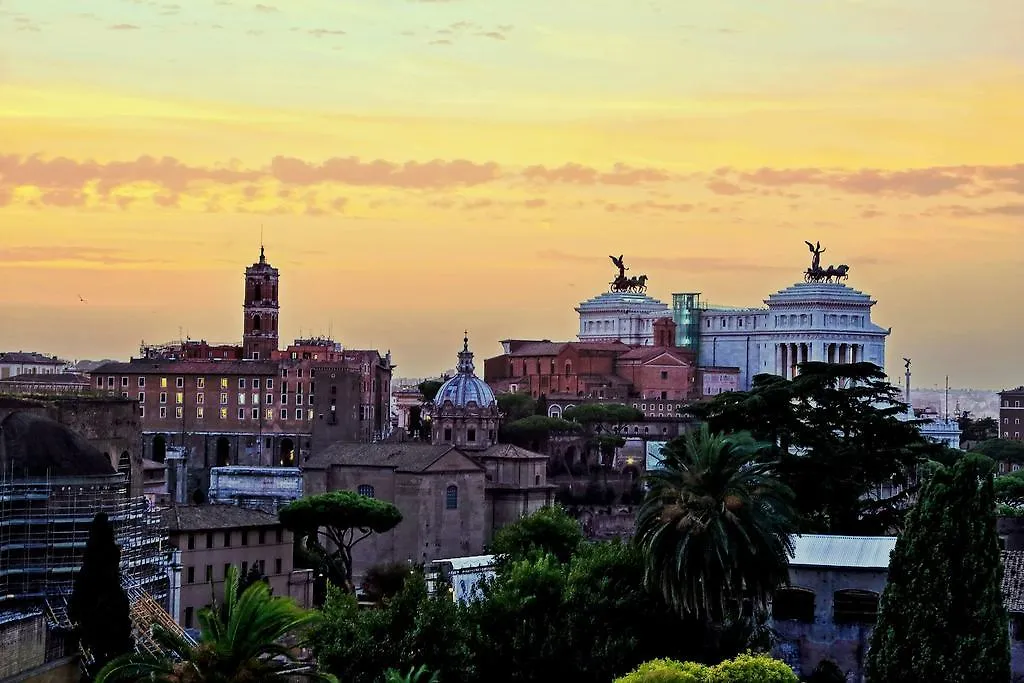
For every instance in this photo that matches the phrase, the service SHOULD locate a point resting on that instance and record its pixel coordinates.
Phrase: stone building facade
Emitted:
(211, 538)
(624, 317)
(1011, 414)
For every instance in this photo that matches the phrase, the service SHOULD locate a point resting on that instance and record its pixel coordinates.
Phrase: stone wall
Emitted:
(110, 423)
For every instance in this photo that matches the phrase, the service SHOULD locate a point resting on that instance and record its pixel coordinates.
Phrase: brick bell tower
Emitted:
(259, 336)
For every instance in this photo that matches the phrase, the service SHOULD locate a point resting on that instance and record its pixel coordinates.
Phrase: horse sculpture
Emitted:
(636, 285)
(830, 274)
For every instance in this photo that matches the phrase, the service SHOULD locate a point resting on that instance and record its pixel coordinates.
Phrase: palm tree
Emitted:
(715, 525)
(242, 642)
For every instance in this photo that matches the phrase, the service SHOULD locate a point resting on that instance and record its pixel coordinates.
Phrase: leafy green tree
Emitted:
(344, 518)
(838, 437)
(535, 431)
(941, 616)
(518, 629)
(1001, 450)
(715, 527)
(973, 431)
(602, 425)
(515, 406)
(541, 407)
(385, 580)
(247, 645)
(428, 389)
(99, 608)
(549, 530)
(409, 630)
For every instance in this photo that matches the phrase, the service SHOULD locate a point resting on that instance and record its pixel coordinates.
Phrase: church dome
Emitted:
(465, 387)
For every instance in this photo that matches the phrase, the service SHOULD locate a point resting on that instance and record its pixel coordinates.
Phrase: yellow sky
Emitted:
(419, 168)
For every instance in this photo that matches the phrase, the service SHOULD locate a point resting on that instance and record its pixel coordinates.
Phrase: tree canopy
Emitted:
(601, 424)
(549, 530)
(515, 406)
(535, 431)
(941, 616)
(1001, 450)
(715, 526)
(838, 435)
(99, 608)
(429, 388)
(342, 517)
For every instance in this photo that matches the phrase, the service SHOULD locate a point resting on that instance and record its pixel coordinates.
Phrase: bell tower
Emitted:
(259, 332)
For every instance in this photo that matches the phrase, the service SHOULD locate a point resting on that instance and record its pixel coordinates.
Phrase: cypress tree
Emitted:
(941, 616)
(99, 608)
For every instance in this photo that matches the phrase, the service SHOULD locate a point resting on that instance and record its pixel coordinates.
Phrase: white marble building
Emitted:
(620, 316)
(808, 321)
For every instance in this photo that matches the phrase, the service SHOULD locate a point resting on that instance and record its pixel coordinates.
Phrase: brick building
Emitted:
(211, 538)
(596, 370)
(252, 404)
(1011, 414)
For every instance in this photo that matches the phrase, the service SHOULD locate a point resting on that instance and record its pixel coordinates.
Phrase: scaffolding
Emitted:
(44, 528)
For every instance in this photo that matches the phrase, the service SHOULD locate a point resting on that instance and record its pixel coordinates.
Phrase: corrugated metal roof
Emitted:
(842, 552)
(469, 562)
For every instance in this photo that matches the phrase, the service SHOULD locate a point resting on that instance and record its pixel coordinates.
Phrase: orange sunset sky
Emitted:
(423, 167)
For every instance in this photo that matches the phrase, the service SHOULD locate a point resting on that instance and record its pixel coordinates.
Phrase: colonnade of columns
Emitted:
(788, 356)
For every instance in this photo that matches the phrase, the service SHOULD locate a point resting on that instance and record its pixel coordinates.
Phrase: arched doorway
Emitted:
(223, 452)
(287, 453)
(159, 448)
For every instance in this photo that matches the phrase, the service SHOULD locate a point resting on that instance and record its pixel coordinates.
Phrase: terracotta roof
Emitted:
(29, 358)
(1013, 581)
(402, 457)
(646, 353)
(52, 378)
(188, 367)
(503, 450)
(550, 348)
(206, 517)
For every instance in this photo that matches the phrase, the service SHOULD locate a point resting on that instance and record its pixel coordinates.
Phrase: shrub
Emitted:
(384, 580)
(752, 669)
(667, 671)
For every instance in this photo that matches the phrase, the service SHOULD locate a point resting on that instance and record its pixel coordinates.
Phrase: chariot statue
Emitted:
(621, 283)
(818, 274)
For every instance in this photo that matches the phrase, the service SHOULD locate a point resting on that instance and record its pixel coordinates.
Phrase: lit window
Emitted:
(179, 397)
(270, 414)
(223, 413)
(223, 382)
(451, 498)
(241, 399)
(255, 399)
(163, 382)
(309, 415)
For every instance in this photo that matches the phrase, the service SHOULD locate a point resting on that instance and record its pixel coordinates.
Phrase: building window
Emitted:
(163, 382)
(223, 382)
(284, 413)
(298, 399)
(178, 413)
(255, 413)
(277, 566)
(209, 539)
(298, 414)
(241, 413)
(200, 398)
(227, 539)
(142, 397)
(255, 382)
(270, 414)
(366, 490)
(245, 538)
(124, 381)
(284, 399)
(471, 435)
(796, 604)
(853, 606)
(269, 399)
(280, 535)
(200, 382)
(241, 399)
(664, 374)
(270, 383)
(190, 575)
(188, 617)
(199, 413)
(163, 412)
(451, 498)
(223, 413)
(179, 382)
(261, 537)
(223, 399)
(241, 383)
(163, 397)
(142, 381)
(209, 573)
(191, 541)
(179, 398)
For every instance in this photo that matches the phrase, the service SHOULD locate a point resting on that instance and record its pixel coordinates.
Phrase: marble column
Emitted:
(779, 364)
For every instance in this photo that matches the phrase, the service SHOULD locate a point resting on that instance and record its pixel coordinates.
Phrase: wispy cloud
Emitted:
(124, 27)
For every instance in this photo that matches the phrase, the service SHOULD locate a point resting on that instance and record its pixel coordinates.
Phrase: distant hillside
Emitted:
(980, 402)
(89, 365)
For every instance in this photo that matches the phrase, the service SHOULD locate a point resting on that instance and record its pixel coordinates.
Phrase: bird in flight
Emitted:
(81, 299)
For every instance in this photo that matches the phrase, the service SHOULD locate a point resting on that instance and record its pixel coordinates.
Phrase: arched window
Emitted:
(256, 323)
(451, 498)
(366, 490)
(853, 606)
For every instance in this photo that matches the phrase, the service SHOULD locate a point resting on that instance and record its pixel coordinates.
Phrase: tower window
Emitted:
(256, 322)
(451, 498)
